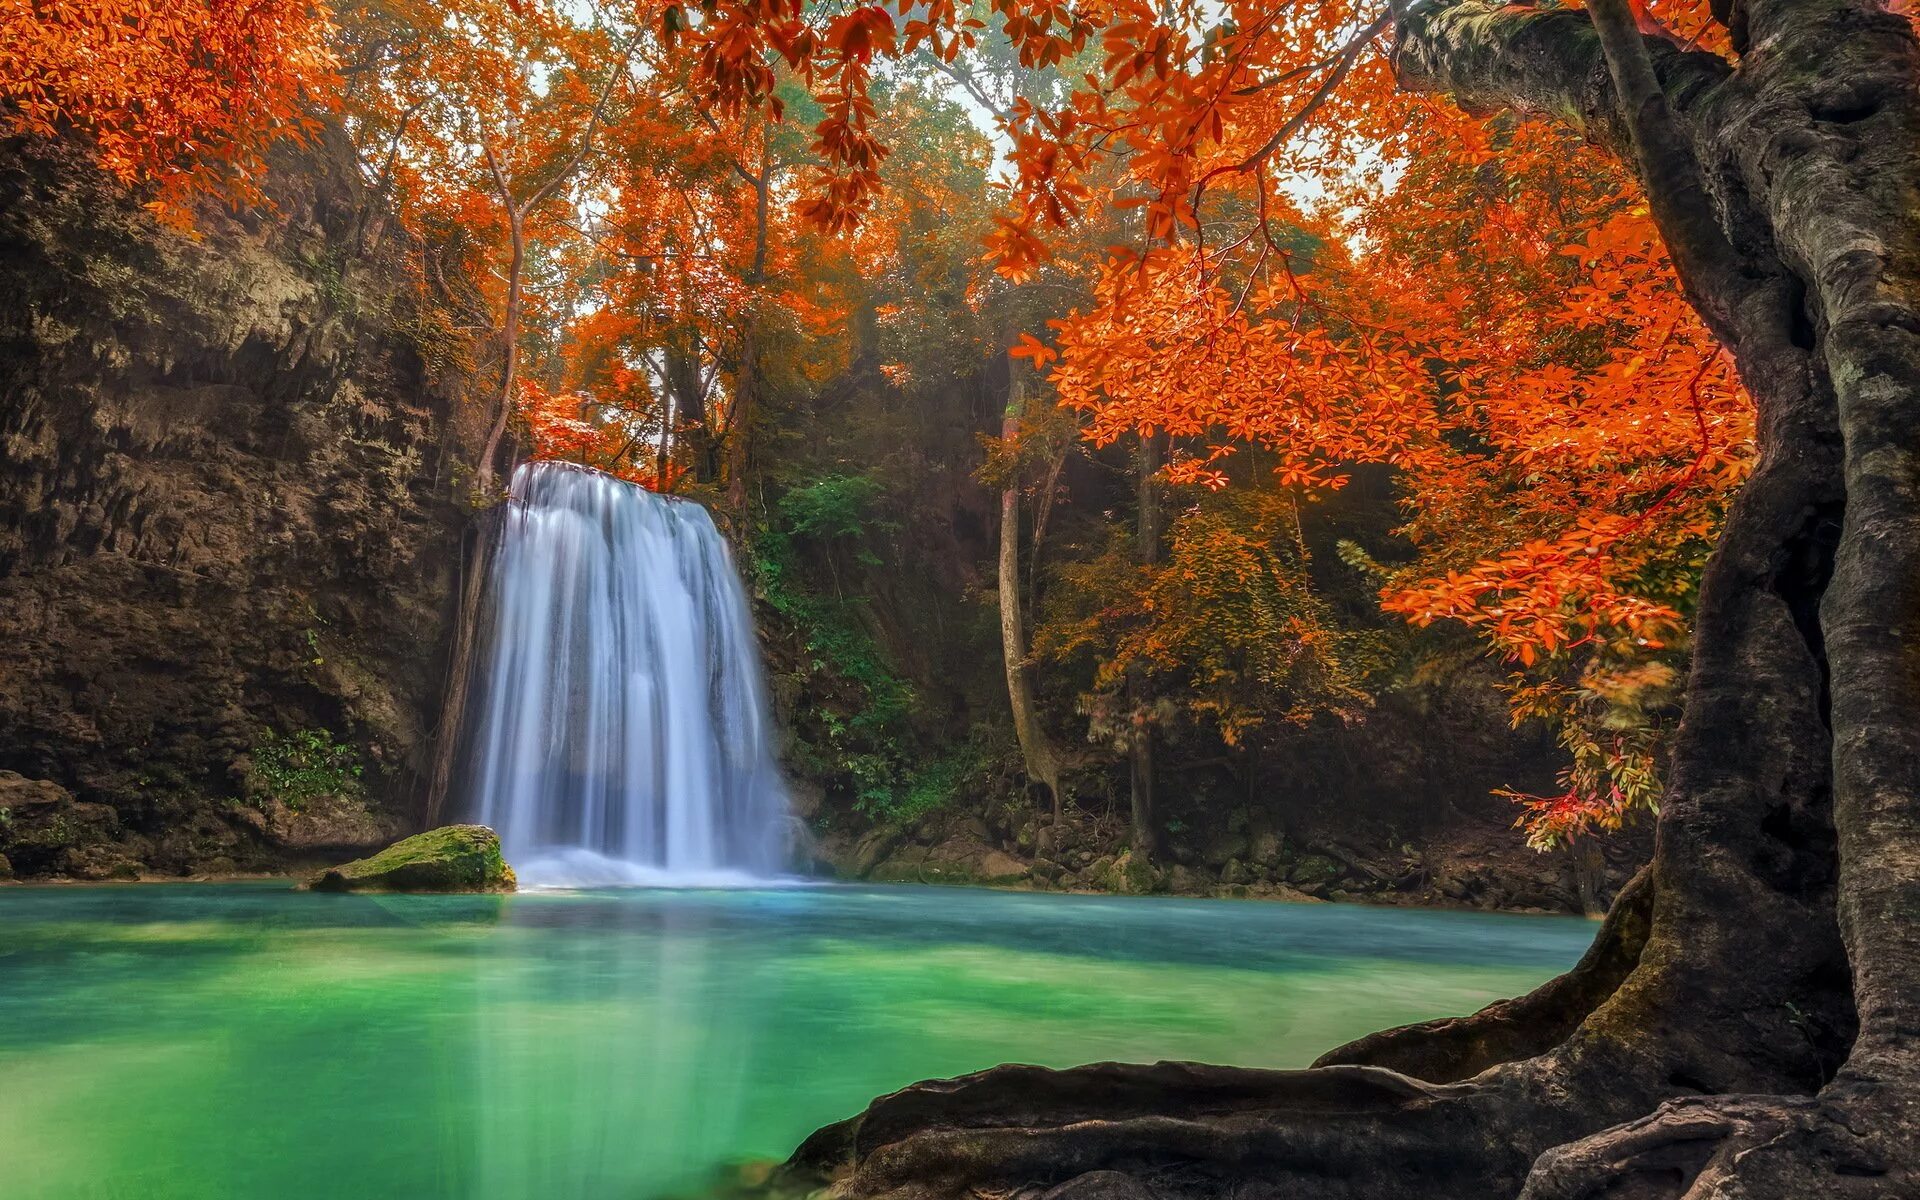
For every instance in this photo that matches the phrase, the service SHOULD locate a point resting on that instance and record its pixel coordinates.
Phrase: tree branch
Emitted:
(1669, 172)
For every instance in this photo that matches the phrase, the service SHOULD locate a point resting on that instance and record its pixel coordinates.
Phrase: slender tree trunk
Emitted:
(1149, 529)
(509, 357)
(1036, 748)
(747, 386)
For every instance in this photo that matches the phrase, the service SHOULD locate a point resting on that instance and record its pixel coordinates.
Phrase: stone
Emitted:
(1314, 870)
(1235, 872)
(871, 851)
(1185, 881)
(452, 858)
(6, 868)
(1046, 840)
(998, 867)
(1128, 875)
(44, 828)
(1224, 849)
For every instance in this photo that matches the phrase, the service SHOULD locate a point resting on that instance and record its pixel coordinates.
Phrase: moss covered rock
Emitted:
(453, 858)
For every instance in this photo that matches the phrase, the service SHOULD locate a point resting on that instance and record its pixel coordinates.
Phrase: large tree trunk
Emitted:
(1748, 1023)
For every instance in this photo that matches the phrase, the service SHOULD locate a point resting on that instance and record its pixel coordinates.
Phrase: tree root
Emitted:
(1457, 1048)
(1181, 1130)
(1851, 1142)
(1106, 1132)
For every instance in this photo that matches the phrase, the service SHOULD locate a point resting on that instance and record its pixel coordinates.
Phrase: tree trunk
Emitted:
(690, 408)
(1036, 748)
(1149, 528)
(746, 391)
(477, 558)
(509, 359)
(1747, 1024)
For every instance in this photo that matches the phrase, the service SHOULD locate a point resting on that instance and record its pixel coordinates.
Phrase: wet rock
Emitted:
(871, 851)
(1224, 849)
(453, 858)
(1185, 881)
(6, 868)
(1280, 891)
(1129, 875)
(44, 827)
(996, 867)
(1314, 871)
(909, 864)
(1046, 841)
(328, 822)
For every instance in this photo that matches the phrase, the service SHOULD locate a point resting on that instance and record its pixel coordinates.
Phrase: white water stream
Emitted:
(623, 733)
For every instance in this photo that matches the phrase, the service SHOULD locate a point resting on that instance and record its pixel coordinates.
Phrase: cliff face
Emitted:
(228, 539)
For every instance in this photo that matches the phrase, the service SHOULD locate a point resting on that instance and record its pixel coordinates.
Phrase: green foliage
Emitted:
(299, 767)
(930, 787)
(854, 722)
(833, 507)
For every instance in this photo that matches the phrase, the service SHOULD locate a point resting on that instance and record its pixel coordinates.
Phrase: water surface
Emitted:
(206, 1042)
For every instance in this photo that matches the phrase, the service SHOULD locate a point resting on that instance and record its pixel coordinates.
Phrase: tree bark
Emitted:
(746, 391)
(1149, 528)
(1036, 748)
(509, 354)
(1748, 1023)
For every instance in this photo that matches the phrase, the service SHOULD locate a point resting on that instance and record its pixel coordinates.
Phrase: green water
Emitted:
(200, 1042)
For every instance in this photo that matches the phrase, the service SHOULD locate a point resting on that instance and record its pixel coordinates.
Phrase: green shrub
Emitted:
(298, 767)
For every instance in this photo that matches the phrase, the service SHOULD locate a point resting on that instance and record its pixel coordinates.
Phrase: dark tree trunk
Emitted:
(1149, 528)
(1748, 1022)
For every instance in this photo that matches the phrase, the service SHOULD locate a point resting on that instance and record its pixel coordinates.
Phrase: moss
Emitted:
(453, 858)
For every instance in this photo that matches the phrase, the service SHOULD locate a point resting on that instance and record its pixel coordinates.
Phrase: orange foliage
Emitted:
(182, 95)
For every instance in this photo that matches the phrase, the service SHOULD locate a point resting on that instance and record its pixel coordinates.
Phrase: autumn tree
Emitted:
(177, 99)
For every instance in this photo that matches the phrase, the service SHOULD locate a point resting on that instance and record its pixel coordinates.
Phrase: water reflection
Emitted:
(648, 1058)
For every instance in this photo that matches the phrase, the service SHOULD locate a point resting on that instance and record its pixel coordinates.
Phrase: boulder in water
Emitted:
(452, 858)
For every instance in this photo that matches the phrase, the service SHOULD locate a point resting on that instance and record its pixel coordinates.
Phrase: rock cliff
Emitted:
(228, 534)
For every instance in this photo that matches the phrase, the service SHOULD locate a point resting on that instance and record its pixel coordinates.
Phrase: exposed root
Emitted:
(1852, 1142)
(1180, 1130)
(1456, 1048)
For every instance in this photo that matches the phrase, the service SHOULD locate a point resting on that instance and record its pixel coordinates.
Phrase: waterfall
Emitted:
(621, 733)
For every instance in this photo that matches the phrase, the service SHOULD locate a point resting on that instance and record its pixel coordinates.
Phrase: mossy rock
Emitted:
(453, 858)
(1129, 875)
(1315, 870)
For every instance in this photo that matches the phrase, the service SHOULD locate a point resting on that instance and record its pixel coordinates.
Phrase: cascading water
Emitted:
(621, 727)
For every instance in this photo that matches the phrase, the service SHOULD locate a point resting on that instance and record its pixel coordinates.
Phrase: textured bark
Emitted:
(476, 556)
(1748, 1024)
(1036, 748)
(1149, 528)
